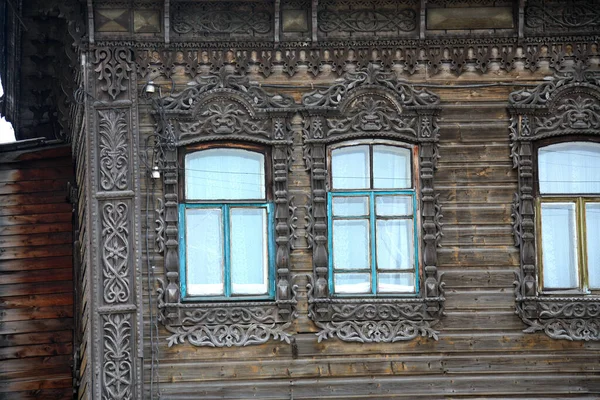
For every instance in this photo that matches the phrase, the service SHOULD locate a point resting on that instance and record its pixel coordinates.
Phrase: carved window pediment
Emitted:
(225, 108)
(566, 107)
(373, 105)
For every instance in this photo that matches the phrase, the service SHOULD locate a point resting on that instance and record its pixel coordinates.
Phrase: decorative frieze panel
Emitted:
(450, 56)
(223, 19)
(373, 103)
(552, 16)
(113, 149)
(568, 104)
(216, 108)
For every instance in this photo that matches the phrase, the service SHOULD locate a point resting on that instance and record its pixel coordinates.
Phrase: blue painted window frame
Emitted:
(225, 206)
(372, 227)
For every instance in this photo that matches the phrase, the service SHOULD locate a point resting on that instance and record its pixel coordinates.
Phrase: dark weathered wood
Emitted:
(36, 275)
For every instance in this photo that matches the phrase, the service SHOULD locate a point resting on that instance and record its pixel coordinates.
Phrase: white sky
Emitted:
(7, 134)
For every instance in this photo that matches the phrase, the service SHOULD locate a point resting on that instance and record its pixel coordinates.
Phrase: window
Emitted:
(568, 210)
(372, 220)
(227, 225)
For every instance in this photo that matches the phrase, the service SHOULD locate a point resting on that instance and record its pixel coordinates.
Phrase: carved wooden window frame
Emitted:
(408, 116)
(197, 115)
(565, 108)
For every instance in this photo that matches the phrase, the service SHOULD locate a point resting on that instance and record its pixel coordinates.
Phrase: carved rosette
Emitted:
(373, 104)
(218, 108)
(567, 105)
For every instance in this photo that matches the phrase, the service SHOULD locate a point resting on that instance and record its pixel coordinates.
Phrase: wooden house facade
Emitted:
(161, 101)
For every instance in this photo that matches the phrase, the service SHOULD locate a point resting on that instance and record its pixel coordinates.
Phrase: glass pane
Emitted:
(396, 283)
(350, 168)
(395, 247)
(393, 205)
(559, 245)
(592, 221)
(391, 167)
(204, 251)
(352, 283)
(224, 174)
(248, 250)
(350, 206)
(351, 244)
(572, 167)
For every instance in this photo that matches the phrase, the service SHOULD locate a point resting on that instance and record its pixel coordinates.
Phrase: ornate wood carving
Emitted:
(112, 157)
(549, 16)
(566, 105)
(115, 253)
(366, 17)
(113, 66)
(373, 103)
(226, 107)
(455, 56)
(218, 19)
(118, 363)
(113, 150)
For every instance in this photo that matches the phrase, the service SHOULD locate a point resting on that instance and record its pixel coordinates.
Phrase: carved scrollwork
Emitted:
(375, 331)
(227, 107)
(402, 20)
(115, 253)
(372, 103)
(567, 105)
(117, 370)
(160, 225)
(373, 75)
(226, 79)
(113, 65)
(551, 16)
(221, 18)
(113, 150)
(223, 117)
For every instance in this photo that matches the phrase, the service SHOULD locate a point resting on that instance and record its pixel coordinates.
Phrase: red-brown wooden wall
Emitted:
(36, 274)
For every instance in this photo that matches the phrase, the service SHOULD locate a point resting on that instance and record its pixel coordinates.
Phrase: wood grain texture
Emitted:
(481, 352)
(36, 275)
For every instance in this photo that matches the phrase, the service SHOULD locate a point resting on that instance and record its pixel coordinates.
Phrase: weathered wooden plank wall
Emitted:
(36, 274)
(481, 351)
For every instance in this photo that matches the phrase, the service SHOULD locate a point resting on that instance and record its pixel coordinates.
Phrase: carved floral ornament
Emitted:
(567, 104)
(373, 104)
(225, 107)
(370, 104)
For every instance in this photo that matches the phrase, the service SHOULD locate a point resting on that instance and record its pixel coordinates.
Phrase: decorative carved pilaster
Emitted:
(112, 157)
(567, 105)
